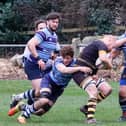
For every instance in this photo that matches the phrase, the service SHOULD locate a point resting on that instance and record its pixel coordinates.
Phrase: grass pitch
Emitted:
(66, 110)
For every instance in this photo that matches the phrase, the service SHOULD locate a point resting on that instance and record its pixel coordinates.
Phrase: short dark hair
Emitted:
(67, 51)
(37, 22)
(53, 15)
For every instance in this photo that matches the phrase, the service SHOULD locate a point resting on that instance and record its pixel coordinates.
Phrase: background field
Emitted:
(65, 112)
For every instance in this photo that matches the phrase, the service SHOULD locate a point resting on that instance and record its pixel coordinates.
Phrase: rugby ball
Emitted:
(101, 65)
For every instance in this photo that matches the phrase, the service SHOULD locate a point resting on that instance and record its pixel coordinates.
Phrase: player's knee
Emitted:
(89, 85)
(122, 91)
(45, 94)
(44, 98)
(46, 107)
(104, 87)
(122, 102)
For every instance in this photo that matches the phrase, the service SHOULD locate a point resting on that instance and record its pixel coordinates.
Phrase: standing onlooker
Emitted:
(39, 25)
(40, 48)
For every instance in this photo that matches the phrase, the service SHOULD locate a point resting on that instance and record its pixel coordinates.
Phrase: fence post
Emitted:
(75, 43)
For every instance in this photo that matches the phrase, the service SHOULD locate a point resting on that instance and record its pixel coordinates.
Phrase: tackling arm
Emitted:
(63, 69)
(120, 42)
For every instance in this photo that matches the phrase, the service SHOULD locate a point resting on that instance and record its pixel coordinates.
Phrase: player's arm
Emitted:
(114, 53)
(32, 43)
(63, 69)
(120, 42)
(105, 59)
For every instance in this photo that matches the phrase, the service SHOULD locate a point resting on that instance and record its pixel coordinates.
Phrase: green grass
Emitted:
(65, 112)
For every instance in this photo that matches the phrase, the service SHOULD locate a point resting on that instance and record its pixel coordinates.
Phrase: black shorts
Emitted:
(56, 90)
(79, 76)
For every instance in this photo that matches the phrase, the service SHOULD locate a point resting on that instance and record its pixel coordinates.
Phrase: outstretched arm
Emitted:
(120, 42)
(63, 69)
(106, 59)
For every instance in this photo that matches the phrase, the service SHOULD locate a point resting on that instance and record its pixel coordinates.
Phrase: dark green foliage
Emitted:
(17, 16)
(103, 19)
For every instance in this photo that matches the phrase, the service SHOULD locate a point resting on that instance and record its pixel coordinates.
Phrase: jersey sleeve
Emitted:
(40, 36)
(58, 46)
(102, 48)
(58, 61)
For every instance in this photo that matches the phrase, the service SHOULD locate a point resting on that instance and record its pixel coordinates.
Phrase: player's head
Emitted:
(39, 25)
(53, 20)
(67, 53)
(109, 40)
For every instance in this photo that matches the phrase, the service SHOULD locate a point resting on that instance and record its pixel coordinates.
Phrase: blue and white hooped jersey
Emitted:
(123, 47)
(59, 78)
(48, 42)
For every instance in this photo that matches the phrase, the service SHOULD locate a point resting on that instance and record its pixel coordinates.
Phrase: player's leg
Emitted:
(42, 103)
(34, 75)
(49, 95)
(32, 109)
(92, 102)
(35, 85)
(122, 101)
(29, 94)
(104, 89)
(89, 85)
(122, 95)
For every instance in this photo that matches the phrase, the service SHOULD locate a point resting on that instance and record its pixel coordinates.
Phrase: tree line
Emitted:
(17, 16)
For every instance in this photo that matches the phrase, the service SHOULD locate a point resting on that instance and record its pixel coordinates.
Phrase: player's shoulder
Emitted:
(96, 43)
(41, 33)
(59, 59)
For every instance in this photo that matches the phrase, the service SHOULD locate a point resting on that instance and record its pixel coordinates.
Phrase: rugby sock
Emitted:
(100, 97)
(30, 95)
(122, 102)
(29, 109)
(91, 108)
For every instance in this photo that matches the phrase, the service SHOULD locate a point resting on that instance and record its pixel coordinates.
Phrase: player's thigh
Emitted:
(32, 70)
(36, 84)
(122, 91)
(122, 87)
(105, 88)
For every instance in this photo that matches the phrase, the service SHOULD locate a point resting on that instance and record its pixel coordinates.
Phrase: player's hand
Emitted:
(95, 77)
(41, 64)
(86, 69)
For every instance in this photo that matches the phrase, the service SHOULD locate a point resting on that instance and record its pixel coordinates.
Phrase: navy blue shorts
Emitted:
(56, 90)
(123, 77)
(32, 70)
